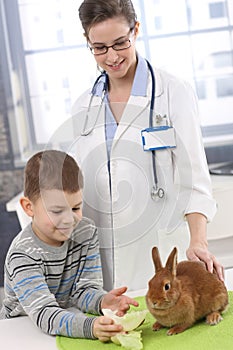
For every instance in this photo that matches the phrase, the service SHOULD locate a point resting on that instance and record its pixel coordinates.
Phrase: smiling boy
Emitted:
(53, 270)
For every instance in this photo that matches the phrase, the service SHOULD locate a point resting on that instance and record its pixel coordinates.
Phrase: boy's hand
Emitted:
(115, 300)
(104, 328)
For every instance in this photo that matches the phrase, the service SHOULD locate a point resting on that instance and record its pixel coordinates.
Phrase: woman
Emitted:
(122, 178)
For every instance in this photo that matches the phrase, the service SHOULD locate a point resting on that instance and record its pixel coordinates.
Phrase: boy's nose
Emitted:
(72, 217)
(69, 218)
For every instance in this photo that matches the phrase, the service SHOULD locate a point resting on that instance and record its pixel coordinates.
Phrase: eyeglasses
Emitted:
(103, 49)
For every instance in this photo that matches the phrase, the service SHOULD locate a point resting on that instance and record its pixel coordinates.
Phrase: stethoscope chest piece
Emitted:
(157, 193)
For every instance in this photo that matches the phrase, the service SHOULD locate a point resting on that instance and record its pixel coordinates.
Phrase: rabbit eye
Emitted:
(167, 286)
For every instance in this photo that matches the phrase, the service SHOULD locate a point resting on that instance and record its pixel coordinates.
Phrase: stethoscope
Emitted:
(156, 191)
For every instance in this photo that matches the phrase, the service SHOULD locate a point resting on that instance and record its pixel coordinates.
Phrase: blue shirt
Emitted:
(139, 88)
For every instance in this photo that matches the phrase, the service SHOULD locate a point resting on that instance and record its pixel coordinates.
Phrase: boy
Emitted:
(52, 271)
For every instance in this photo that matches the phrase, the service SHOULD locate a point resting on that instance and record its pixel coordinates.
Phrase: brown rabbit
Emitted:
(180, 294)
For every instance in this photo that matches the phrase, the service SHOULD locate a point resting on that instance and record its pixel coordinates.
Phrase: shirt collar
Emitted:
(139, 87)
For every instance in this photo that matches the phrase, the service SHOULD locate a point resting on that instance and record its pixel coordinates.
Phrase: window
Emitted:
(201, 89)
(47, 53)
(224, 86)
(223, 59)
(217, 9)
(158, 22)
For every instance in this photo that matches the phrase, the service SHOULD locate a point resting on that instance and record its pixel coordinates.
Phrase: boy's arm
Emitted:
(36, 301)
(88, 290)
(28, 291)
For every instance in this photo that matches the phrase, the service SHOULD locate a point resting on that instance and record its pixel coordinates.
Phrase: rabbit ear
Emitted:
(172, 262)
(156, 259)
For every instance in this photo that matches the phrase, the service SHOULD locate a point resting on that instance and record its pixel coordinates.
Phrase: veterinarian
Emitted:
(139, 143)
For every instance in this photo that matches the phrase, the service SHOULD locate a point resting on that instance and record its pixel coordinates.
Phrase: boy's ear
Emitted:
(27, 206)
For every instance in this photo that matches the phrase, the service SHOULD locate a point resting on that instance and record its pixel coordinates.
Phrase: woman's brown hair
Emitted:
(95, 11)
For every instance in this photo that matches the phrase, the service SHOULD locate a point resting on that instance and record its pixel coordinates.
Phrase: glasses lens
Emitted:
(122, 45)
(98, 50)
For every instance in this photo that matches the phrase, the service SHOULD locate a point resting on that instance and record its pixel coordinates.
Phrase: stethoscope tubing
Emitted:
(156, 192)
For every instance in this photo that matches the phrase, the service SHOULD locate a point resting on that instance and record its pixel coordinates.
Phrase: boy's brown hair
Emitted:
(49, 170)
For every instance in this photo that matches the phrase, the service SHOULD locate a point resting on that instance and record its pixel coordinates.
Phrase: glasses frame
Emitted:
(107, 47)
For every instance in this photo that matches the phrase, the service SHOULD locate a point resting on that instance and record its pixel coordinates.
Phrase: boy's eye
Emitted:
(56, 211)
(76, 209)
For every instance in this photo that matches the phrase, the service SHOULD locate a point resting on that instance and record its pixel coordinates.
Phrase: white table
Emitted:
(21, 334)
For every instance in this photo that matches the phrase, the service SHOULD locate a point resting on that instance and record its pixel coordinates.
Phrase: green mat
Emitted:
(199, 337)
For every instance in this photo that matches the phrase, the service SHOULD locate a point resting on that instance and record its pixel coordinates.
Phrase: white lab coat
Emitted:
(129, 221)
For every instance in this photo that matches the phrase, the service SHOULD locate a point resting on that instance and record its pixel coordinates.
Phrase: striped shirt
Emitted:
(55, 286)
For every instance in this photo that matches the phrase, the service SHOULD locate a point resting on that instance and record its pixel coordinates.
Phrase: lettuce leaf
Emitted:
(129, 321)
(130, 341)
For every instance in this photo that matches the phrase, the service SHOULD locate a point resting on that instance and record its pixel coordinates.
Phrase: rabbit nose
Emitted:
(154, 305)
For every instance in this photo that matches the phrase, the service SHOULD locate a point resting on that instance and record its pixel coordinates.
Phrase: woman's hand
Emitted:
(115, 300)
(104, 328)
(201, 253)
(198, 247)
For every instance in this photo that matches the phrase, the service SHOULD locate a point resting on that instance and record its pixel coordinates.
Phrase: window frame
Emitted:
(20, 114)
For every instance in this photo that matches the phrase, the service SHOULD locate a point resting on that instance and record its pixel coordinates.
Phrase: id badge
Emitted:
(156, 138)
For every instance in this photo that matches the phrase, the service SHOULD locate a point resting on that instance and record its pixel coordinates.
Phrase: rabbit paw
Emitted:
(157, 326)
(177, 329)
(213, 318)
